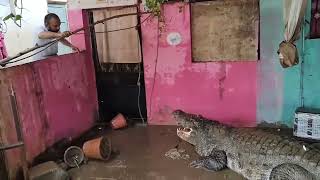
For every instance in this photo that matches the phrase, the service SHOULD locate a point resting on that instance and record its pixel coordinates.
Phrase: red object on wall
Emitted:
(3, 50)
(315, 19)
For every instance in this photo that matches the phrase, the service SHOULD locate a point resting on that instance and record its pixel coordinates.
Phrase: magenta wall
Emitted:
(67, 98)
(217, 90)
(78, 19)
(56, 99)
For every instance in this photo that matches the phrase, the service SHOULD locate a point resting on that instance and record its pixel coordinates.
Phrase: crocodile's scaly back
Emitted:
(263, 150)
(253, 152)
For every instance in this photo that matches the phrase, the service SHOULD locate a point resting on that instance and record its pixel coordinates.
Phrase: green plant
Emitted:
(16, 18)
(155, 6)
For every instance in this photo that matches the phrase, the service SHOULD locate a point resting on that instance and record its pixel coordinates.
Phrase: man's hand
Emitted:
(76, 49)
(67, 43)
(65, 34)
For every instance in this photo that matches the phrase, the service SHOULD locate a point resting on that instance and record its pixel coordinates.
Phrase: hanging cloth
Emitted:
(118, 46)
(293, 17)
(3, 50)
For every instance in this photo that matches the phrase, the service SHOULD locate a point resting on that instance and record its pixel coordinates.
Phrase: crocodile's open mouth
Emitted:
(186, 130)
(186, 134)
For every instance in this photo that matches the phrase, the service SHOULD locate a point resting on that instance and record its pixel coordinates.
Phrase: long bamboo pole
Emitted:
(4, 61)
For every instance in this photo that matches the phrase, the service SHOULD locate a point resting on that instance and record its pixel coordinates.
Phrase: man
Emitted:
(48, 33)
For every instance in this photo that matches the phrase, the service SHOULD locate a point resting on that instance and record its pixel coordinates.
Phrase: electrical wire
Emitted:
(139, 85)
(155, 69)
(10, 62)
(139, 77)
(138, 25)
(139, 94)
(131, 27)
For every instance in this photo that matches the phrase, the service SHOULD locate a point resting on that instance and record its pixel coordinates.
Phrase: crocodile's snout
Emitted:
(177, 113)
(178, 117)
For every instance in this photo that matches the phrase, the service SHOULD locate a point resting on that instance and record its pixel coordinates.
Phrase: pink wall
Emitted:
(222, 91)
(77, 19)
(56, 99)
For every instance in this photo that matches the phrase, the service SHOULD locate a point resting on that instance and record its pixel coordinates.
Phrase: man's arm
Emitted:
(67, 43)
(53, 35)
(49, 35)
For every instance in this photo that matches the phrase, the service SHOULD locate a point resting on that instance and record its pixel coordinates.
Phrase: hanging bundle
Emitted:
(293, 17)
(288, 54)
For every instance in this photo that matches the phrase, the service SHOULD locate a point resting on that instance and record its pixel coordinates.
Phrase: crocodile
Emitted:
(255, 153)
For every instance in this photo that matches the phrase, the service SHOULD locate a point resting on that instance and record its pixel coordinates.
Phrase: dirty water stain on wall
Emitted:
(221, 91)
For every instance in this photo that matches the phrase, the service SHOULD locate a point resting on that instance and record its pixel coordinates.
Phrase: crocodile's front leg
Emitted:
(216, 161)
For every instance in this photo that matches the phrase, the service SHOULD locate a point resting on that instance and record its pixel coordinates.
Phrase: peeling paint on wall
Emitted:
(56, 99)
(180, 84)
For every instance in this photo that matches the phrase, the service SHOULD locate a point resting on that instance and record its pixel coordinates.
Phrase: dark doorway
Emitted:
(121, 87)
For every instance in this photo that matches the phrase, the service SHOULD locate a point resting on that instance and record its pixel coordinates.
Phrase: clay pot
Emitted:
(99, 148)
(119, 122)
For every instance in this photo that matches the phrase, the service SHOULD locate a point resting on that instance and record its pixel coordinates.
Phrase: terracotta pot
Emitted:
(99, 148)
(119, 122)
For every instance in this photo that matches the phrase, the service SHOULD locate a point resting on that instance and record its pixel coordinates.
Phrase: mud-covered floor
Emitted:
(142, 157)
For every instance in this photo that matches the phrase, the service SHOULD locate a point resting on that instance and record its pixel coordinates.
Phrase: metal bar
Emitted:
(15, 115)
(19, 132)
(11, 146)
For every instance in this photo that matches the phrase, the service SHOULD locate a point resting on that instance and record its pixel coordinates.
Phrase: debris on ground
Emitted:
(48, 171)
(73, 156)
(117, 164)
(54, 152)
(176, 154)
(119, 122)
(99, 148)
